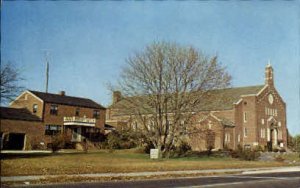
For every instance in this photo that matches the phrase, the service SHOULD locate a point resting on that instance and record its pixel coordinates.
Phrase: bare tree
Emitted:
(10, 78)
(163, 87)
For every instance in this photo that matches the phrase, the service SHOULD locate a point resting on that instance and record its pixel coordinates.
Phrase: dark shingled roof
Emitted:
(109, 127)
(223, 99)
(67, 100)
(18, 114)
(219, 99)
(227, 122)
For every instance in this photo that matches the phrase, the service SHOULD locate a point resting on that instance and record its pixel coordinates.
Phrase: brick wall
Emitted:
(265, 112)
(238, 121)
(229, 142)
(69, 111)
(33, 130)
(27, 100)
(248, 106)
(198, 137)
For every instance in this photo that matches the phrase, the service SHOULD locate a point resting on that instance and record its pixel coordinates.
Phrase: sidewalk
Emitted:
(38, 151)
(136, 174)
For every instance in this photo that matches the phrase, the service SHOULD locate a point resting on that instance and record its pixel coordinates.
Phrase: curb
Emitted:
(275, 170)
(136, 174)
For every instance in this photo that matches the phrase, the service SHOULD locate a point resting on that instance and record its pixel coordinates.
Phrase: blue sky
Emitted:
(89, 41)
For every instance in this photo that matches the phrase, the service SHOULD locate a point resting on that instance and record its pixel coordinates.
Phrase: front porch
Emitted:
(81, 129)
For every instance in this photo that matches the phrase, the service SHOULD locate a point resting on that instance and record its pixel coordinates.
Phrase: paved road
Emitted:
(272, 180)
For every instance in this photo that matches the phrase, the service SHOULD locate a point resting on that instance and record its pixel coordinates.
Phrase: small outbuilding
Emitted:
(20, 130)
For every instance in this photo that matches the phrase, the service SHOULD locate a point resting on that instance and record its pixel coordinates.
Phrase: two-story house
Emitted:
(78, 118)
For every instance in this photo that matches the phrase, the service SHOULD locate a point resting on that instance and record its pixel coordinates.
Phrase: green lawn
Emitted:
(118, 161)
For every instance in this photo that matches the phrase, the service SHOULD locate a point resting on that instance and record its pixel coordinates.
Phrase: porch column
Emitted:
(79, 134)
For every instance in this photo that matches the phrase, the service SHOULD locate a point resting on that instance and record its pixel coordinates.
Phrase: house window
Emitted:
(262, 133)
(239, 138)
(262, 121)
(183, 127)
(279, 124)
(266, 111)
(53, 109)
(96, 114)
(245, 132)
(182, 122)
(34, 108)
(245, 116)
(209, 124)
(134, 126)
(77, 111)
(227, 137)
(150, 125)
(52, 129)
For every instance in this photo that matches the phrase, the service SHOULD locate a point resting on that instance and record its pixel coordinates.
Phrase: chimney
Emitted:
(62, 93)
(269, 78)
(116, 96)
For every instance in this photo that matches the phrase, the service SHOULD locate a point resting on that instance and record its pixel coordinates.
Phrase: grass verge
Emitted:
(117, 162)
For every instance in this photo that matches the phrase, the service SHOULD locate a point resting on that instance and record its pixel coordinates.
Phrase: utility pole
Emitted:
(46, 55)
(47, 75)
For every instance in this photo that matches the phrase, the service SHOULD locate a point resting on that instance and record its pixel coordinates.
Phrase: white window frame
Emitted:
(34, 108)
(262, 133)
(266, 111)
(245, 117)
(227, 137)
(209, 125)
(134, 125)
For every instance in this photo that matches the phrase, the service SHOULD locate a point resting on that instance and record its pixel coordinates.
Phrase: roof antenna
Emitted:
(46, 55)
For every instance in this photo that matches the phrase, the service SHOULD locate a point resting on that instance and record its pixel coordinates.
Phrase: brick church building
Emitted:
(247, 116)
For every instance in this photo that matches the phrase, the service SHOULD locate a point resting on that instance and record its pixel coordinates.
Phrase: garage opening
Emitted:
(15, 141)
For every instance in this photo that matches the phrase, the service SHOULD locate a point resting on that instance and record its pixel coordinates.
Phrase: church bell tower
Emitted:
(269, 78)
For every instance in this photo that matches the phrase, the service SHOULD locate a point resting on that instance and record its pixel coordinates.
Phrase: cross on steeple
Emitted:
(269, 78)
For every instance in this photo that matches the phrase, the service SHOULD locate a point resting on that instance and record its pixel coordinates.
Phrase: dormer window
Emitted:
(34, 108)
